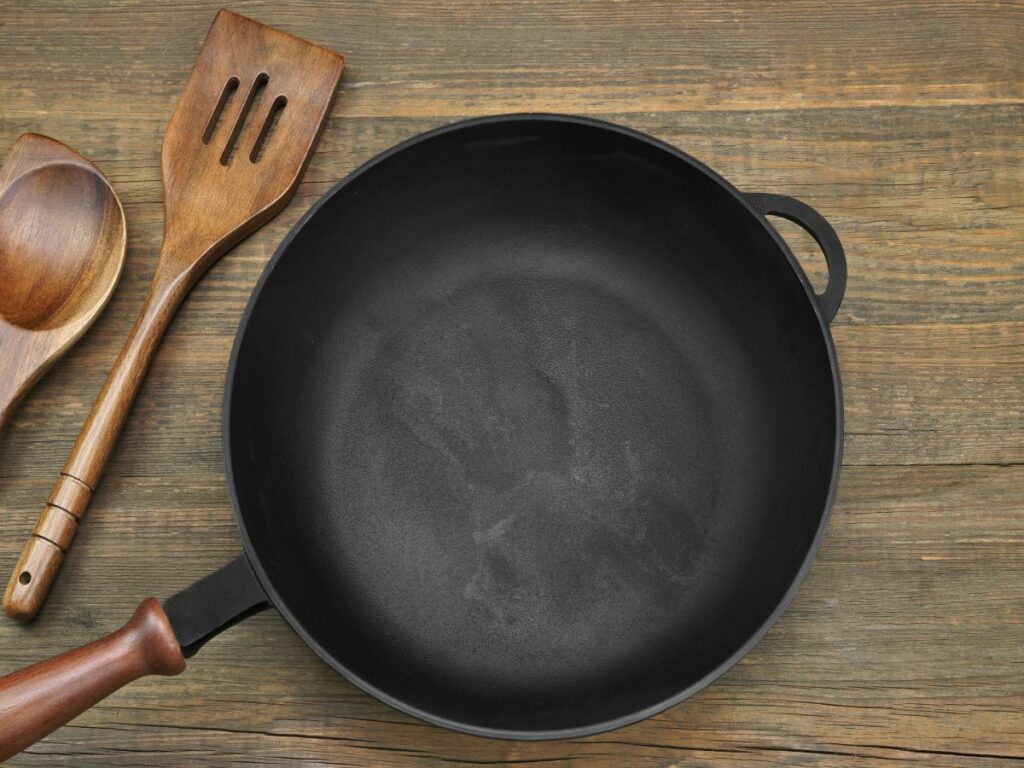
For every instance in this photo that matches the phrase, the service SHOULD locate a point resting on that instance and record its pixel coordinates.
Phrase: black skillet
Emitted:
(532, 428)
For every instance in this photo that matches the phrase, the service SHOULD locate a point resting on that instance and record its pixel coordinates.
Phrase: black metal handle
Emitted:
(817, 227)
(214, 603)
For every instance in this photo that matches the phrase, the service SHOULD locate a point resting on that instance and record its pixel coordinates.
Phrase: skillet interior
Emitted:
(532, 426)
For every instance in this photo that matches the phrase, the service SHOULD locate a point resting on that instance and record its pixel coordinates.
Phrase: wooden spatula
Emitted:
(232, 156)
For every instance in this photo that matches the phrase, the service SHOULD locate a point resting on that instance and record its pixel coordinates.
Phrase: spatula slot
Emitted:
(269, 124)
(230, 87)
(255, 92)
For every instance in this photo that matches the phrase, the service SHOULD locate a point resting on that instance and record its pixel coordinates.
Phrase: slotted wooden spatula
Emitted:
(242, 133)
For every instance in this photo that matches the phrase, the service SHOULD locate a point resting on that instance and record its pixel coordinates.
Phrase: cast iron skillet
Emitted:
(532, 427)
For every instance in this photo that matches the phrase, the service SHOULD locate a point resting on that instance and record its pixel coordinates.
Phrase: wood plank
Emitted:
(905, 644)
(930, 220)
(914, 394)
(437, 58)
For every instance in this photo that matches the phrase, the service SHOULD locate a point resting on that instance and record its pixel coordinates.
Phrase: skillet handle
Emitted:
(39, 699)
(817, 227)
(214, 603)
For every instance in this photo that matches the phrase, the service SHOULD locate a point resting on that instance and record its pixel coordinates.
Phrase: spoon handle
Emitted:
(59, 520)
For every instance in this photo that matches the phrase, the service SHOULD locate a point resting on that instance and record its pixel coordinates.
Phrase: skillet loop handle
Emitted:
(817, 227)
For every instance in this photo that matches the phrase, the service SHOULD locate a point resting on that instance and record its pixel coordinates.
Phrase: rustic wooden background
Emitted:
(902, 121)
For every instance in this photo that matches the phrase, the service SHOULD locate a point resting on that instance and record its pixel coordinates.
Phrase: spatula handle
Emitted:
(39, 699)
(54, 532)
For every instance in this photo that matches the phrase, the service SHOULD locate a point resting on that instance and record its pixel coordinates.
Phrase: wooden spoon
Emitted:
(62, 245)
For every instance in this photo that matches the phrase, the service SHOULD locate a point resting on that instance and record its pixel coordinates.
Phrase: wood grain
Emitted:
(900, 121)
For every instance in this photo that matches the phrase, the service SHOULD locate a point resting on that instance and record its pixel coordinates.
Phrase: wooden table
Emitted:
(903, 122)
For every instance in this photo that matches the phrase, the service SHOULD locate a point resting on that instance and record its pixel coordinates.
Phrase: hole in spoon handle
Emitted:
(44, 552)
(37, 568)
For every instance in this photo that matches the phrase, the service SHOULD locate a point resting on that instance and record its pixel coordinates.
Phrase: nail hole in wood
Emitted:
(258, 86)
(25, 577)
(230, 87)
(268, 128)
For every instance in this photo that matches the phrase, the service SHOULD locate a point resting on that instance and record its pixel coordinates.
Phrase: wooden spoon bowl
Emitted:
(62, 247)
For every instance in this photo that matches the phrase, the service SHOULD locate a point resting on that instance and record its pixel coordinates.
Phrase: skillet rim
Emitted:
(557, 733)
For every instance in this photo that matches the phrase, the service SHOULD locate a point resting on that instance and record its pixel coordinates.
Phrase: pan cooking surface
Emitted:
(531, 426)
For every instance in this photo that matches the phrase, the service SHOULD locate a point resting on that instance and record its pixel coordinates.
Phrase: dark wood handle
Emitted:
(39, 699)
(55, 530)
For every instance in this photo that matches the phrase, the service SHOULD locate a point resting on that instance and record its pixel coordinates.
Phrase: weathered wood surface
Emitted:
(901, 121)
